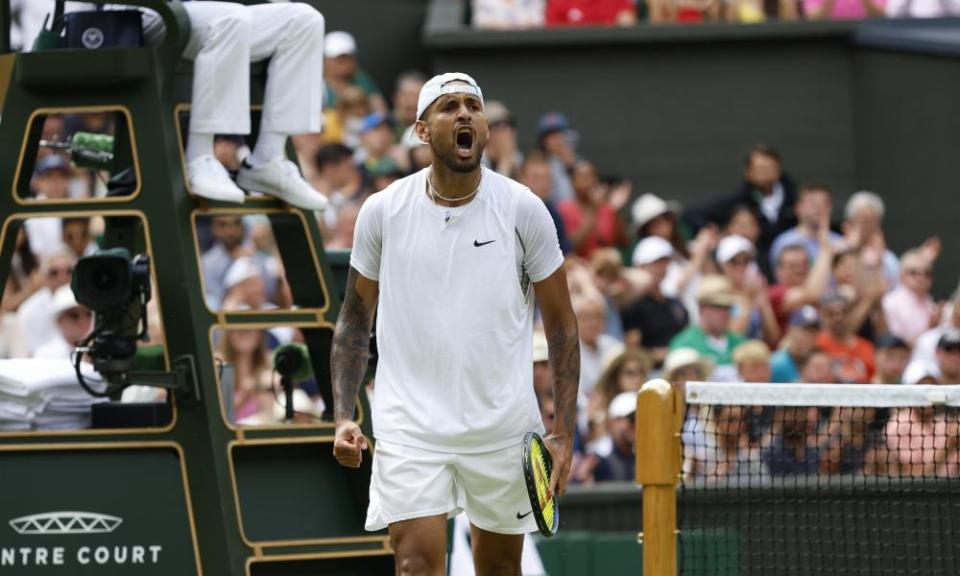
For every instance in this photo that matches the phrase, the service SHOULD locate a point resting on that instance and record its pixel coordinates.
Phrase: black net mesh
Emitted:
(807, 490)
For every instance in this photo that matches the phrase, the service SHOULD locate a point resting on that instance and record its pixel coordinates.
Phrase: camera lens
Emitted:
(104, 278)
(102, 282)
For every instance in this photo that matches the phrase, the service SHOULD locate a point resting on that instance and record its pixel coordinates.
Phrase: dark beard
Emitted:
(449, 159)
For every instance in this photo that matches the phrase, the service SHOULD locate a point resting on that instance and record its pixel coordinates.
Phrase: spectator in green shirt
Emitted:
(341, 69)
(712, 336)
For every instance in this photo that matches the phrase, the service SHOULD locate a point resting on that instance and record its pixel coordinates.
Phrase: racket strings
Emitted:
(542, 482)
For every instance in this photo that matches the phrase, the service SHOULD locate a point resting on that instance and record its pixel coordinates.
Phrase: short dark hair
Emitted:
(534, 157)
(791, 248)
(74, 220)
(761, 149)
(815, 352)
(410, 76)
(812, 187)
(331, 154)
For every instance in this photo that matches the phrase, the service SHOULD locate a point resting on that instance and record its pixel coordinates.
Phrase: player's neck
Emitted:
(452, 188)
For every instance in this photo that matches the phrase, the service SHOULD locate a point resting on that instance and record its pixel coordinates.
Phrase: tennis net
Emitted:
(810, 479)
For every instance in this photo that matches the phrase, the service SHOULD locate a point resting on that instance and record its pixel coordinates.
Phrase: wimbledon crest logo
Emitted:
(65, 523)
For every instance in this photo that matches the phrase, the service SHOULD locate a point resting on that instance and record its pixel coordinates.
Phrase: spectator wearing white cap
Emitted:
(712, 336)
(653, 320)
(686, 365)
(542, 374)
(244, 285)
(652, 216)
(341, 70)
(753, 314)
(73, 324)
(620, 464)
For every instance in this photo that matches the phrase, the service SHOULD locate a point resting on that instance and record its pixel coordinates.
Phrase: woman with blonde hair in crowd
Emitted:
(247, 351)
(623, 372)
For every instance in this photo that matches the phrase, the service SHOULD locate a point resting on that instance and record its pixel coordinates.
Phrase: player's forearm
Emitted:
(351, 350)
(563, 344)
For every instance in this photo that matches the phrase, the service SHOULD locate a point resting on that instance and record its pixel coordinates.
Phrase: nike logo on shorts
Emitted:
(478, 244)
(522, 516)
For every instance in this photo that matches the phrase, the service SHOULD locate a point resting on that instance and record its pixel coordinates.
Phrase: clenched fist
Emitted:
(349, 444)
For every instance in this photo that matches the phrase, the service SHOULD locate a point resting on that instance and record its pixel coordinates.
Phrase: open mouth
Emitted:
(464, 140)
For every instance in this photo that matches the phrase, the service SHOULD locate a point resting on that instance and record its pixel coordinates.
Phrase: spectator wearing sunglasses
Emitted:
(752, 314)
(909, 308)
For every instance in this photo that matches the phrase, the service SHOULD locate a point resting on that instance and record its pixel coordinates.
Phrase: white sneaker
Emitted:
(209, 179)
(281, 178)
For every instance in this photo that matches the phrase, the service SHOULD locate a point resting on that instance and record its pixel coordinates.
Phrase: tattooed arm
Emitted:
(563, 345)
(351, 344)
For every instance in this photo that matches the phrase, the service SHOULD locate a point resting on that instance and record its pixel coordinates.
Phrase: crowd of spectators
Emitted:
(526, 14)
(769, 283)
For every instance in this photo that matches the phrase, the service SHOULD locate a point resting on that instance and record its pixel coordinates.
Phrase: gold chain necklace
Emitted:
(434, 194)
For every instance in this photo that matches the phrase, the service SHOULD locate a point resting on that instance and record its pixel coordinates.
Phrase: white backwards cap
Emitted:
(441, 84)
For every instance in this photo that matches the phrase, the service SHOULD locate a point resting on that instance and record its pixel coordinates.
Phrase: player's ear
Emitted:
(422, 130)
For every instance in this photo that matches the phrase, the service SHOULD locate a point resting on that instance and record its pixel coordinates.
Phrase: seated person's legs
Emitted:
(291, 35)
(223, 42)
(220, 49)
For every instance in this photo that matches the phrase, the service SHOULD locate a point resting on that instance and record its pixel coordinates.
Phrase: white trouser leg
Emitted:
(220, 41)
(291, 35)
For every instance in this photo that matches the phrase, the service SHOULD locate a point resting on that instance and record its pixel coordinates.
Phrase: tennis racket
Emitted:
(537, 466)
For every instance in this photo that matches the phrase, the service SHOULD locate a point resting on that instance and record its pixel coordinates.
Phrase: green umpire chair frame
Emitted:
(257, 501)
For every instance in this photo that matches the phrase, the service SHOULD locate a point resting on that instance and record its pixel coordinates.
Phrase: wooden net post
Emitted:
(659, 418)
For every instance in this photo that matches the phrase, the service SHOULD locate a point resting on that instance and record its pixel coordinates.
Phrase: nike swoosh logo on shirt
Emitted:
(478, 244)
(522, 516)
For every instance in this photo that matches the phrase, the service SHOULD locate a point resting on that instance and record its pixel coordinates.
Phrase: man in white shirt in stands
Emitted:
(451, 257)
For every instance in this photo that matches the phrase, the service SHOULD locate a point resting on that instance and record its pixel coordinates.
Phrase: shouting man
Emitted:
(452, 256)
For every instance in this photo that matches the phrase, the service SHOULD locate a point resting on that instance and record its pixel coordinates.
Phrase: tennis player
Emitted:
(453, 256)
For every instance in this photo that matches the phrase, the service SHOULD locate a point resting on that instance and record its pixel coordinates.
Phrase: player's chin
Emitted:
(466, 163)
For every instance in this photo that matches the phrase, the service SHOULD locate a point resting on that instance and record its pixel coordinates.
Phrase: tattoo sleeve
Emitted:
(563, 344)
(351, 350)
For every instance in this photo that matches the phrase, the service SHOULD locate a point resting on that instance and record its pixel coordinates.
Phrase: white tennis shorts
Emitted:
(412, 483)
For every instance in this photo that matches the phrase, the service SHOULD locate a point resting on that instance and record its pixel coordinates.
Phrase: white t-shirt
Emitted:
(455, 312)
